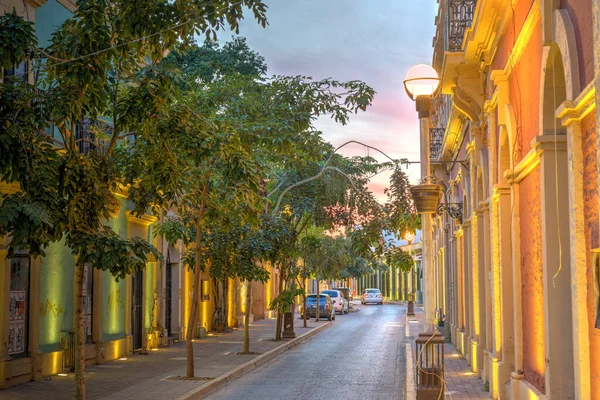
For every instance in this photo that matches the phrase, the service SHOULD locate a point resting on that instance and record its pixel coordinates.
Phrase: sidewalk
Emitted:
(144, 376)
(461, 383)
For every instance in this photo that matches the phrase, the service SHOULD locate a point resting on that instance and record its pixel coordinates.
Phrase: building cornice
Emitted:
(499, 190)
(68, 4)
(539, 144)
(571, 111)
(37, 3)
(143, 219)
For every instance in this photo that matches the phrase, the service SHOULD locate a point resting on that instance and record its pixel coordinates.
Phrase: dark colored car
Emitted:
(326, 308)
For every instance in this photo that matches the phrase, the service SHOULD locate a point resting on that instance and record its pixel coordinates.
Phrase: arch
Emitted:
(560, 72)
(559, 82)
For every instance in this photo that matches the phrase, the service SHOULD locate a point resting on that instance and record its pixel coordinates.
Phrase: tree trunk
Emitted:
(189, 345)
(79, 335)
(279, 315)
(220, 322)
(318, 299)
(304, 296)
(246, 349)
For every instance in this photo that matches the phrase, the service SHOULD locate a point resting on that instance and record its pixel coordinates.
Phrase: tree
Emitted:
(228, 131)
(104, 62)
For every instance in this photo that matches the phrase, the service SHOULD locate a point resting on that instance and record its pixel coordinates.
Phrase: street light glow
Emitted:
(421, 80)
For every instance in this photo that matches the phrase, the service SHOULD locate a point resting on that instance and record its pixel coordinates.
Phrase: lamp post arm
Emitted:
(312, 178)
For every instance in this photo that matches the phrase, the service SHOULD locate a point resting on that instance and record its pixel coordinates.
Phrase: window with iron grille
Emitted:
(18, 318)
(88, 302)
(18, 72)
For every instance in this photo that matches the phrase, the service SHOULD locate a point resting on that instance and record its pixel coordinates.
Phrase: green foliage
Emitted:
(97, 66)
(286, 298)
(398, 258)
(106, 250)
(403, 215)
(17, 38)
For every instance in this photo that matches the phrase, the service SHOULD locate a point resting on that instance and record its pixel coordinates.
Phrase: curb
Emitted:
(249, 366)
(409, 387)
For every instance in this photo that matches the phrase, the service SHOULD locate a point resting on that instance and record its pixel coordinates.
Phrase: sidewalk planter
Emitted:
(430, 366)
(410, 308)
(426, 197)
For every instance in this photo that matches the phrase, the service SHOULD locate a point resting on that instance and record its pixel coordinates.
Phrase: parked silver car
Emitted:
(371, 295)
(340, 303)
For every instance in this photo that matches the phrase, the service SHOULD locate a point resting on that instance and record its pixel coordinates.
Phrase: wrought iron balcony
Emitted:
(459, 17)
(89, 132)
(441, 111)
(436, 136)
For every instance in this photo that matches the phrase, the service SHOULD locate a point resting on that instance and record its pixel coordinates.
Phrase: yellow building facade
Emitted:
(514, 139)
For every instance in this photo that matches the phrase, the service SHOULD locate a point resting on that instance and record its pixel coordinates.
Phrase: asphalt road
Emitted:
(361, 356)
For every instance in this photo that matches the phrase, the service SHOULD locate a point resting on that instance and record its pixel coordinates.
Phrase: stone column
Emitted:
(556, 267)
(461, 291)
(488, 278)
(468, 290)
(502, 299)
(571, 115)
(596, 28)
(452, 298)
(479, 284)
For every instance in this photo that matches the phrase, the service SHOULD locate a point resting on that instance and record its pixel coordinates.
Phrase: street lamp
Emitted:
(421, 84)
(410, 308)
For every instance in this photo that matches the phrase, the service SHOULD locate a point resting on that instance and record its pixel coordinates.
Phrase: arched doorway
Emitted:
(556, 260)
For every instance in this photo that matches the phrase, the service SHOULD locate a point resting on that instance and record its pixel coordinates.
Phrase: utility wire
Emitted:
(113, 47)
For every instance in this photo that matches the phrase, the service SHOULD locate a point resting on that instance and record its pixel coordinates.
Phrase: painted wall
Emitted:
(590, 204)
(581, 17)
(521, 10)
(113, 292)
(48, 18)
(56, 296)
(525, 95)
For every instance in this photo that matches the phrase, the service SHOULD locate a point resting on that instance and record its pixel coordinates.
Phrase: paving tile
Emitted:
(141, 375)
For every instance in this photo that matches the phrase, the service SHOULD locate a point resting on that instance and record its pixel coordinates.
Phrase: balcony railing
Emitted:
(435, 145)
(88, 132)
(439, 118)
(459, 18)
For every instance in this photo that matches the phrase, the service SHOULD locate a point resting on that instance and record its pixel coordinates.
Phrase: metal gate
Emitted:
(168, 293)
(137, 310)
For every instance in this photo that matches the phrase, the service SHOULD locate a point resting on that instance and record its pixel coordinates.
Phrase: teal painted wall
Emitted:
(149, 296)
(113, 308)
(113, 292)
(56, 296)
(47, 19)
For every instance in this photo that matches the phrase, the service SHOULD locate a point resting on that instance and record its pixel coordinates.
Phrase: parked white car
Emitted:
(371, 295)
(340, 303)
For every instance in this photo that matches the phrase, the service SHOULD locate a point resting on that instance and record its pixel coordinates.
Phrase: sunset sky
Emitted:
(375, 41)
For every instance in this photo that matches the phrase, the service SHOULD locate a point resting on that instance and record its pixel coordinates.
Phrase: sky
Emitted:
(375, 41)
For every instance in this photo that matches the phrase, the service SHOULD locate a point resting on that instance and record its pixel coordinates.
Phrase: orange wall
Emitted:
(508, 40)
(534, 352)
(580, 12)
(525, 94)
(590, 209)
